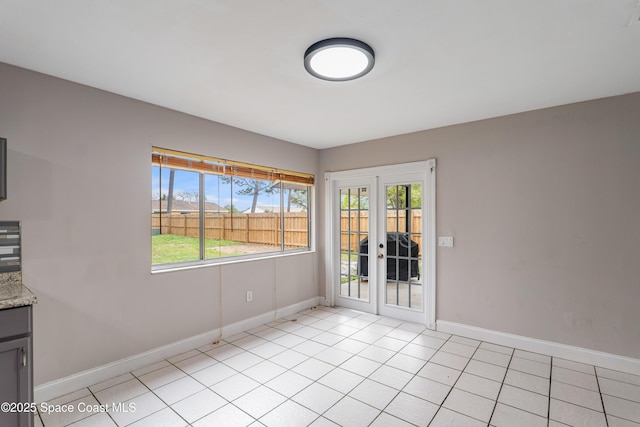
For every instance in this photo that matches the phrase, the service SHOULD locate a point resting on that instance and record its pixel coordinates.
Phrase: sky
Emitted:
(216, 191)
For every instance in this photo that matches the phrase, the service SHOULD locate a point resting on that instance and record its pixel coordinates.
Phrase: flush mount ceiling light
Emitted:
(339, 59)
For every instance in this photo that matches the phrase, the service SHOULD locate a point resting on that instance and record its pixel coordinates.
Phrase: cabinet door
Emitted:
(15, 380)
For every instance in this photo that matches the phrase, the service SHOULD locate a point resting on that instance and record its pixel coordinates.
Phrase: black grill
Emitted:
(402, 257)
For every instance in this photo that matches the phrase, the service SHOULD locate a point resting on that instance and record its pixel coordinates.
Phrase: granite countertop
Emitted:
(13, 293)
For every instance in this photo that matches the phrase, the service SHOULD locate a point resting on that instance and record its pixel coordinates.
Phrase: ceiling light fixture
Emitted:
(339, 59)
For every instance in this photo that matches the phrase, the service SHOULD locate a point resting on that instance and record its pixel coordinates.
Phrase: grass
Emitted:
(169, 248)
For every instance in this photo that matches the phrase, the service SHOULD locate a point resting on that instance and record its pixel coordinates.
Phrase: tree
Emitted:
(354, 202)
(251, 187)
(397, 196)
(297, 198)
(231, 209)
(172, 176)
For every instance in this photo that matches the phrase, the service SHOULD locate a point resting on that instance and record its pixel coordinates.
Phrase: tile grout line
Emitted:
(457, 379)
(287, 399)
(190, 376)
(636, 384)
(382, 411)
(550, 382)
(414, 375)
(344, 395)
(368, 377)
(186, 374)
(166, 404)
(97, 400)
(229, 402)
(582, 388)
(578, 386)
(604, 410)
(506, 371)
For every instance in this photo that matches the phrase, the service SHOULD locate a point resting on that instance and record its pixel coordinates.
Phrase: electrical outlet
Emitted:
(249, 296)
(445, 241)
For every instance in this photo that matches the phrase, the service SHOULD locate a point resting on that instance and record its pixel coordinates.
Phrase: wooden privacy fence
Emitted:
(264, 228)
(256, 228)
(354, 227)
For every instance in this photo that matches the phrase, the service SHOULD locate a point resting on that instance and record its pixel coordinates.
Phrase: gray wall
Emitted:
(545, 210)
(543, 206)
(80, 181)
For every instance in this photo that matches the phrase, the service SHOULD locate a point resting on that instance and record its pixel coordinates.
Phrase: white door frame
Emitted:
(371, 304)
(332, 267)
(393, 310)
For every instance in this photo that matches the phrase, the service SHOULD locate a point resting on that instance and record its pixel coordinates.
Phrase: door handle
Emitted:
(380, 256)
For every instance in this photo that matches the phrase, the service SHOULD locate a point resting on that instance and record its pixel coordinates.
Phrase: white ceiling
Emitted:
(240, 62)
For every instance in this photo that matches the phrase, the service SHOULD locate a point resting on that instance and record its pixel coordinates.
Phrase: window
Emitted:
(204, 209)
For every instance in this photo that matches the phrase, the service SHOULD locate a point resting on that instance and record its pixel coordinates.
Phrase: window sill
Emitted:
(167, 268)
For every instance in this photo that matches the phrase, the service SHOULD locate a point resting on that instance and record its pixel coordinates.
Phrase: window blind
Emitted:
(186, 161)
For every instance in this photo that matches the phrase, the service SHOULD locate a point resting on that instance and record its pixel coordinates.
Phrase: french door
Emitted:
(382, 240)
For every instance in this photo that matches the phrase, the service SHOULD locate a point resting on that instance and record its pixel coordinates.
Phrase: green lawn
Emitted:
(168, 248)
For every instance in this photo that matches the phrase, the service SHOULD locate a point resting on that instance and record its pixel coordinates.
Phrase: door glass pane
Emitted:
(404, 245)
(354, 233)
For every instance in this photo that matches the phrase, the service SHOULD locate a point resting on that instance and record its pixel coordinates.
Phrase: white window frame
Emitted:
(282, 251)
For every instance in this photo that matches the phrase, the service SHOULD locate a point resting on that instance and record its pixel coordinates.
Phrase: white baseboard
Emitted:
(563, 351)
(62, 386)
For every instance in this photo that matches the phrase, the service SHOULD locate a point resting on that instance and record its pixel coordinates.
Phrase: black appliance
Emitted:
(402, 257)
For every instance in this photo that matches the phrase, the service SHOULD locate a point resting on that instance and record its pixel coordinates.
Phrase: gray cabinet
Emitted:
(16, 367)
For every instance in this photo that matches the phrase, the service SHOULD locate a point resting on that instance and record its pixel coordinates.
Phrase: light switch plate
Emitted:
(445, 241)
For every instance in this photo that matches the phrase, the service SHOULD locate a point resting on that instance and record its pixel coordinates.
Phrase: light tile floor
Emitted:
(336, 366)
